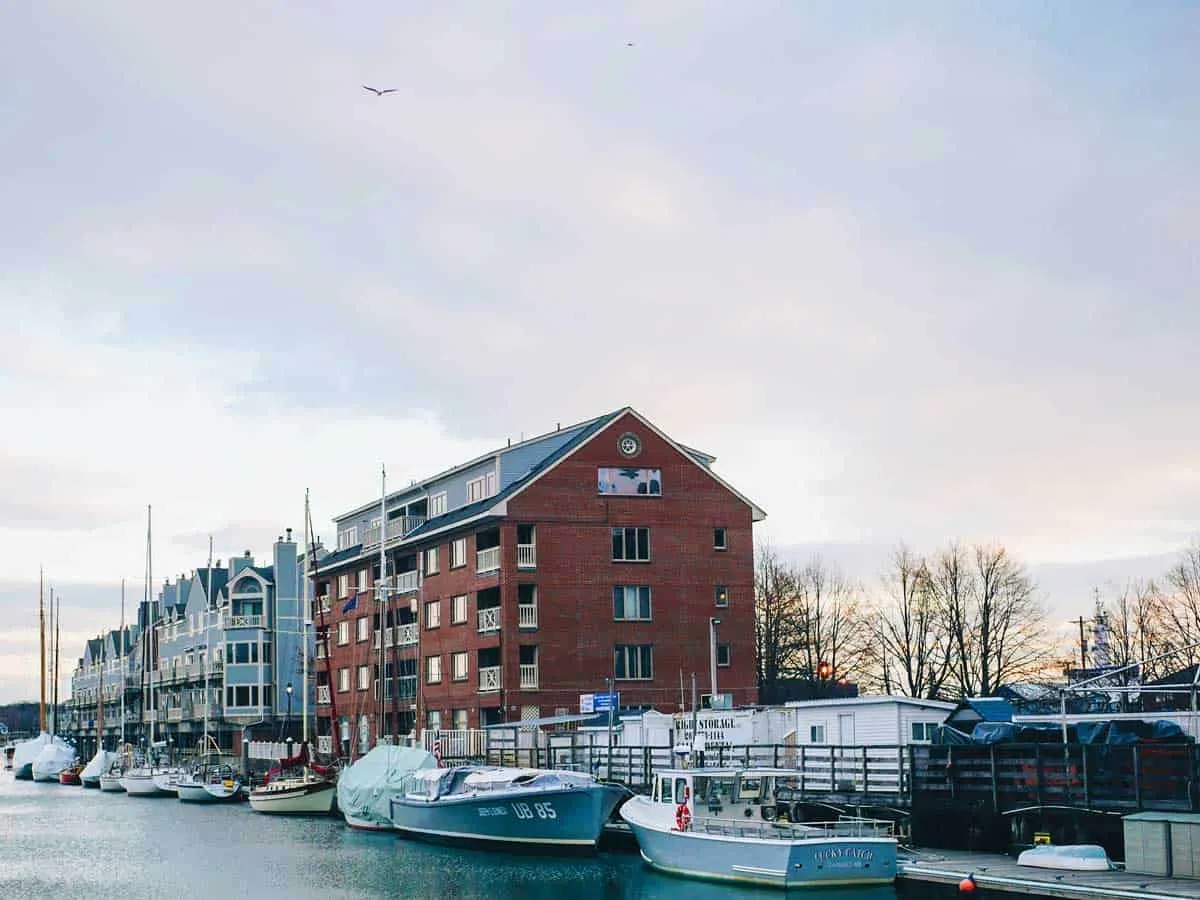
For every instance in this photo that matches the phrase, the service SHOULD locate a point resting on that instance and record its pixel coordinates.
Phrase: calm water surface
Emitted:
(66, 842)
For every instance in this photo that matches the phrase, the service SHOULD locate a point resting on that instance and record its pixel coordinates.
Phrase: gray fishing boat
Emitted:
(743, 825)
(480, 805)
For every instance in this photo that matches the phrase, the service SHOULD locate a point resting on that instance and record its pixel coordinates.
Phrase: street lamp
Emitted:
(713, 622)
(288, 721)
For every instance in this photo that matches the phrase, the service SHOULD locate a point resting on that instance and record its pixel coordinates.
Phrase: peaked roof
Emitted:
(992, 709)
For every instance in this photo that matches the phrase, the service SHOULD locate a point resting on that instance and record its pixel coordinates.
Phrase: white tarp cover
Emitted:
(99, 764)
(364, 789)
(27, 752)
(55, 755)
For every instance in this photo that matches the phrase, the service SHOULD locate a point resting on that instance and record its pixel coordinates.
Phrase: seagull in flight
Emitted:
(377, 92)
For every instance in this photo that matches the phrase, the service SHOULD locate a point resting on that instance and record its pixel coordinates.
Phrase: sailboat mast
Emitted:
(208, 607)
(100, 701)
(150, 654)
(42, 633)
(333, 713)
(121, 658)
(305, 621)
(383, 596)
(57, 636)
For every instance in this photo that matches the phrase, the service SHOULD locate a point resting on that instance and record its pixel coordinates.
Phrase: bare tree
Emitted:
(1181, 607)
(953, 593)
(911, 649)
(776, 633)
(1135, 627)
(831, 619)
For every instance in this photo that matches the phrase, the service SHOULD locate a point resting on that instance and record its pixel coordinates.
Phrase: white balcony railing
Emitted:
(399, 527)
(406, 635)
(487, 560)
(489, 679)
(323, 694)
(529, 677)
(229, 621)
(175, 714)
(527, 615)
(526, 556)
(489, 619)
(407, 582)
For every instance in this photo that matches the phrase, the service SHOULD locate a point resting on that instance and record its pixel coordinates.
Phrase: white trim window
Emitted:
(431, 561)
(343, 634)
(458, 609)
(343, 680)
(433, 669)
(348, 537)
(724, 655)
(816, 733)
(363, 629)
(364, 678)
(437, 505)
(458, 553)
(433, 614)
(633, 662)
(475, 488)
(631, 544)
(923, 732)
(364, 578)
(631, 602)
(344, 585)
(459, 666)
(720, 539)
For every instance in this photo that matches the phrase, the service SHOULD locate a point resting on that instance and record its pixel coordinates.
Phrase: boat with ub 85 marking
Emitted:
(546, 809)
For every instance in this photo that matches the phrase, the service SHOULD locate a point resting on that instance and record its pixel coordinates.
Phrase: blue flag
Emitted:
(351, 604)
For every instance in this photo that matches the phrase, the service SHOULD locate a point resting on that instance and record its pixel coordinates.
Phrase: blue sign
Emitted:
(605, 702)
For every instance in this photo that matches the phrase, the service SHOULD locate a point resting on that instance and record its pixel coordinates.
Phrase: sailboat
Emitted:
(208, 782)
(103, 760)
(301, 787)
(26, 752)
(140, 781)
(110, 778)
(56, 754)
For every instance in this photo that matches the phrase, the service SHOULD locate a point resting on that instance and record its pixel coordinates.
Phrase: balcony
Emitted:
(406, 635)
(526, 556)
(489, 679)
(489, 619)
(529, 677)
(323, 694)
(399, 527)
(487, 560)
(228, 621)
(527, 615)
(175, 714)
(407, 582)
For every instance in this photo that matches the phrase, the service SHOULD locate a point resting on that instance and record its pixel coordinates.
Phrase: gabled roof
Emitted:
(938, 705)
(991, 709)
(92, 653)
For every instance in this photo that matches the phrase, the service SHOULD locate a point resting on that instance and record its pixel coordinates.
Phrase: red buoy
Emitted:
(967, 885)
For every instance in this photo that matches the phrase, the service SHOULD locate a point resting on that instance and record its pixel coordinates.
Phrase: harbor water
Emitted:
(68, 842)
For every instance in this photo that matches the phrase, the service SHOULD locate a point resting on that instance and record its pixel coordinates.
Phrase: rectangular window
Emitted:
(721, 595)
(719, 539)
(631, 602)
(363, 579)
(459, 720)
(634, 662)
(490, 484)
(343, 681)
(363, 626)
(343, 637)
(433, 614)
(723, 654)
(458, 553)
(458, 666)
(364, 677)
(433, 719)
(431, 561)
(625, 482)
(816, 734)
(348, 537)
(475, 488)
(433, 669)
(437, 505)
(344, 585)
(458, 609)
(923, 731)
(630, 544)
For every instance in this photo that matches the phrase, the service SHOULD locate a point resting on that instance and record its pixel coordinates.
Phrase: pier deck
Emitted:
(1002, 873)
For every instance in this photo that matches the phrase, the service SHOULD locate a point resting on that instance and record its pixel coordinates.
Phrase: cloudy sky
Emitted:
(912, 272)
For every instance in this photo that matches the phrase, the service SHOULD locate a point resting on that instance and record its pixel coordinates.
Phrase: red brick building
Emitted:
(549, 569)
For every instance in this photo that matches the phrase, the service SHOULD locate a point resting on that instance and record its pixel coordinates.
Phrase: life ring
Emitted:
(683, 817)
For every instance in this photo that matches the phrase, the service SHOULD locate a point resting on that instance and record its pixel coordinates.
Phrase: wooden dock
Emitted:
(997, 872)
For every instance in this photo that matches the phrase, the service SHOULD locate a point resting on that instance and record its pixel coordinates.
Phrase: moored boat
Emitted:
(499, 806)
(52, 759)
(140, 782)
(71, 776)
(167, 780)
(96, 768)
(296, 787)
(734, 825)
(1073, 857)
(110, 781)
(209, 784)
(364, 789)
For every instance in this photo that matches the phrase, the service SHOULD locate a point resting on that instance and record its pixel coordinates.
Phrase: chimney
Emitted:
(289, 535)
(246, 554)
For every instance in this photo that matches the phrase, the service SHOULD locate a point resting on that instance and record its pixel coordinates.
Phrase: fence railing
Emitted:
(487, 560)
(489, 678)
(526, 556)
(456, 744)
(527, 615)
(488, 619)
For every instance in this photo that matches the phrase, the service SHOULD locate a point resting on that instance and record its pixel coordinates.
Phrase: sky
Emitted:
(912, 272)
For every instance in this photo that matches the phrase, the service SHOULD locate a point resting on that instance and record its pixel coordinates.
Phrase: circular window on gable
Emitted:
(629, 445)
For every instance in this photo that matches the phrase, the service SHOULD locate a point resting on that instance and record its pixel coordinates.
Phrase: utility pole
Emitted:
(1082, 648)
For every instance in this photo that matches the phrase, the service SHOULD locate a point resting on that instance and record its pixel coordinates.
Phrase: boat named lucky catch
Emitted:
(739, 825)
(551, 808)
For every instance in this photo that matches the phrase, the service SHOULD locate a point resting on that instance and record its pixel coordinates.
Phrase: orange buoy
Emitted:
(967, 885)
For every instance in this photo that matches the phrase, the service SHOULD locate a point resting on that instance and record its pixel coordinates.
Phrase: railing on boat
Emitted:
(795, 831)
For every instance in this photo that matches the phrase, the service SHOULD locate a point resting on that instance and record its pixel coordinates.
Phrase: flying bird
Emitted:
(377, 92)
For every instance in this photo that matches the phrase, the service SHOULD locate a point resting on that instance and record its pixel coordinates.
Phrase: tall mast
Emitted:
(57, 635)
(333, 714)
(42, 633)
(100, 701)
(208, 605)
(383, 596)
(149, 646)
(121, 657)
(305, 621)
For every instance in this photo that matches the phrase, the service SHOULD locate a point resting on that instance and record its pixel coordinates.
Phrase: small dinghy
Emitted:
(1076, 857)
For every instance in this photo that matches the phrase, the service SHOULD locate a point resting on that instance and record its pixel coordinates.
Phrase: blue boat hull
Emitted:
(25, 772)
(781, 864)
(565, 819)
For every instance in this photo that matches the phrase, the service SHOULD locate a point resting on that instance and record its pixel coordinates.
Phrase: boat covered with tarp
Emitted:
(365, 789)
(54, 756)
(97, 767)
